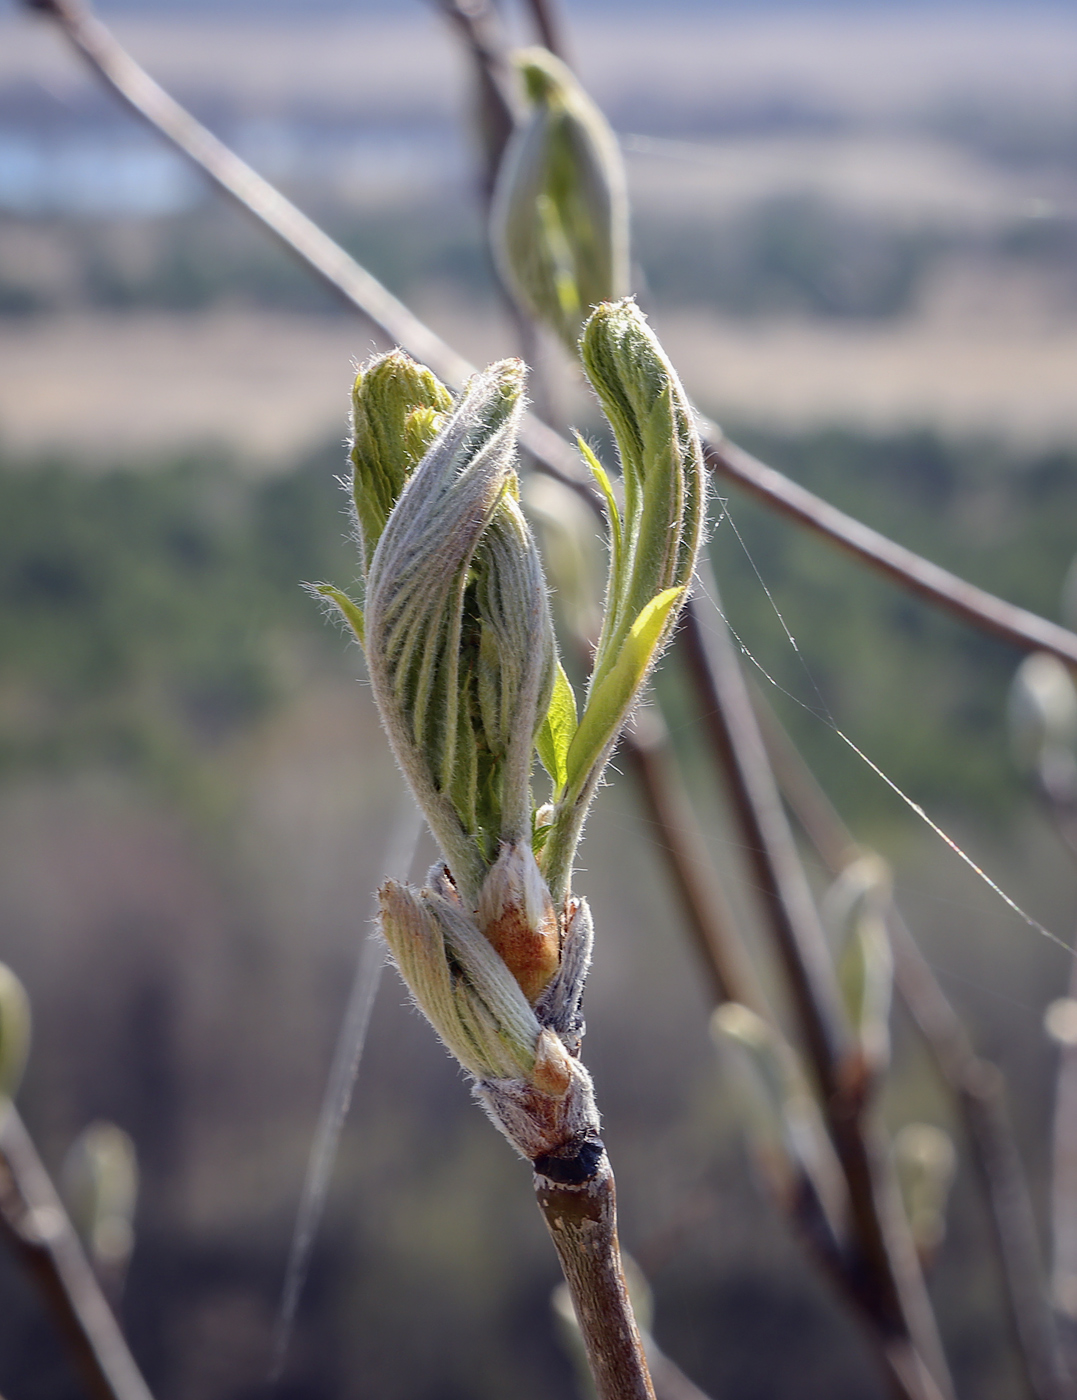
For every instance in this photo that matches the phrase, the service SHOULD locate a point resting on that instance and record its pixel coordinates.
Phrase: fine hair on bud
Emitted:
(459, 640)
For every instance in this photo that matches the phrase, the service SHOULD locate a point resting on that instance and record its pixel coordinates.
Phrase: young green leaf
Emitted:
(397, 408)
(557, 730)
(607, 708)
(349, 610)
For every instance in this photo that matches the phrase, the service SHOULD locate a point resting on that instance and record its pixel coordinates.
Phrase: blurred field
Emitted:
(857, 234)
(980, 358)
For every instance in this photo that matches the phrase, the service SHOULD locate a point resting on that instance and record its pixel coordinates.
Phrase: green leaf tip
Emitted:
(559, 216)
(653, 543)
(346, 607)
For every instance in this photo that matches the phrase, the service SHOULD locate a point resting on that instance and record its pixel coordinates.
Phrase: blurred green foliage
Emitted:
(147, 613)
(207, 257)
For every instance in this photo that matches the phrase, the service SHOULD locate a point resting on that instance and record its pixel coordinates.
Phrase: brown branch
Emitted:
(479, 26)
(884, 1279)
(675, 835)
(930, 582)
(712, 927)
(36, 1226)
(979, 1091)
(976, 1085)
(365, 294)
(582, 1221)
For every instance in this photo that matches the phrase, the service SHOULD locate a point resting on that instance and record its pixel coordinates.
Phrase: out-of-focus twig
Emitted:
(976, 1085)
(35, 1225)
(1064, 1196)
(883, 1280)
(1060, 800)
(478, 24)
(675, 835)
(978, 1089)
(936, 585)
(551, 31)
(364, 293)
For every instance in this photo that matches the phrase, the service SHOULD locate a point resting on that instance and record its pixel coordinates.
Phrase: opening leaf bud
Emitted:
(459, 641)
(459, 983)
(854, 908)
(653, 545)
(14, 1032)
(559, 217)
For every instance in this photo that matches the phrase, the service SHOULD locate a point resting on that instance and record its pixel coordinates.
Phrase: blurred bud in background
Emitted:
(854, 909)
(1042, 714)
(99, 1184)
(782, 1120)
(925, 1161)
(559, 218)
(14, 1032)
(1060, 1021)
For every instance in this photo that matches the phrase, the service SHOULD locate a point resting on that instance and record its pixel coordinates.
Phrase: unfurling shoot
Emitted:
(455, 624)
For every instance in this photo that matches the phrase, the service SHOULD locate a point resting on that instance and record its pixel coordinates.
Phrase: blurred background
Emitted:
(856, 233)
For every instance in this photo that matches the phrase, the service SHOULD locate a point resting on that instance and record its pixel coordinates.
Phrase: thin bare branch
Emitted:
(364, 293)
(1064, 1197)
(479, 26)
(36, 1226)
(980, 1094)
(551, 30)
(676, 836)
(976, 1085)
(930, 582)
(884, 1278)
